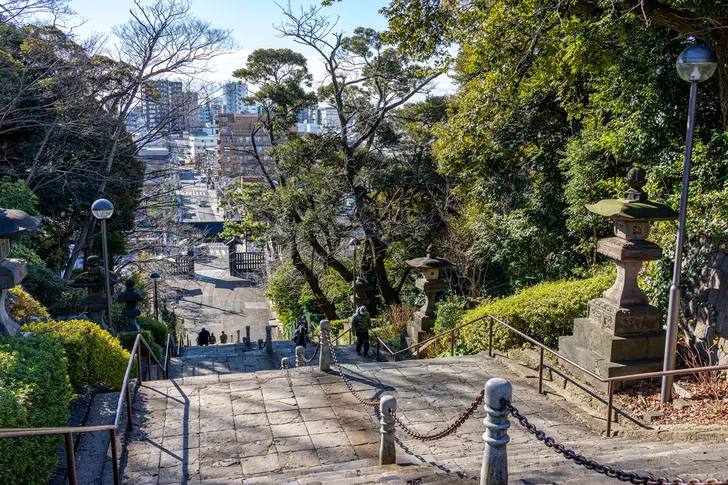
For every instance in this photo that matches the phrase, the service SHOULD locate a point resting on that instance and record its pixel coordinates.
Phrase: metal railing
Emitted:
(610, 381)
(124, 399)
(419, 346)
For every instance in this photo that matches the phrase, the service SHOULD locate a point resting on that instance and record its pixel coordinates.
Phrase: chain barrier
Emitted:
(373, 404)
(607, 470)
(449, 430)
(315, 353)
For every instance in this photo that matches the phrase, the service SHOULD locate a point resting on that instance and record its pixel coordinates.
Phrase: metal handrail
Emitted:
(124, 395)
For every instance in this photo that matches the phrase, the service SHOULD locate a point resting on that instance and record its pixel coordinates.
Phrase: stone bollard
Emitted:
(387, 451)
(268, 339)
(495, 457)
(238, 336)
(261, 344)
(247, 335)
(324, 351)
(300, 358)
(285, 363)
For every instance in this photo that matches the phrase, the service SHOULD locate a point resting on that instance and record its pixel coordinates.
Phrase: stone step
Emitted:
(93, 453)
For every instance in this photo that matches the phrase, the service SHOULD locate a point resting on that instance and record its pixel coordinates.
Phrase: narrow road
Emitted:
(218, 301)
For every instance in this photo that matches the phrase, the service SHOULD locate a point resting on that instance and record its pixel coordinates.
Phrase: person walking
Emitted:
(301, 331)
(203, 338)
(360, 325)
(213, 340)
(223, 337)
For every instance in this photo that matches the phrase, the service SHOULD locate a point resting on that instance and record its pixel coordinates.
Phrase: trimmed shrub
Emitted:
(34, 392)
(48, 287)
(94, 356)
(127, 341)
(449, 313)
(25, 307)
(545, 311)
(158, 329)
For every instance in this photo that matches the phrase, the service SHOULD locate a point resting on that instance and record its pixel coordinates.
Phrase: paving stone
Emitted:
(330, 440)
(260, 464)
(323, 426)
(285, 417)
(339, 454)
(286, 430)
(293, 443)
(298, 459)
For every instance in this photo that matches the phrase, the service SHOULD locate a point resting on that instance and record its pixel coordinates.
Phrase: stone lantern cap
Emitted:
(430, 261)
(130, 295)
(14, 223)
(94, 276)
(635, 204)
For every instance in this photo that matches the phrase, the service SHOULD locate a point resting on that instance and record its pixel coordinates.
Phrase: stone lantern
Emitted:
(431, 285)
(131, 298)
(622, 333)
(13, 224)
(92, 280)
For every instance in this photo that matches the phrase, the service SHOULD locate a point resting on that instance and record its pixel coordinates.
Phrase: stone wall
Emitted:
(709, 309)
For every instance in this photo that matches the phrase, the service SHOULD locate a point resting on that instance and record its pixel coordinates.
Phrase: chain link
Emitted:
(449, 430)
(315, 352)
(372, 404)
(620, 475)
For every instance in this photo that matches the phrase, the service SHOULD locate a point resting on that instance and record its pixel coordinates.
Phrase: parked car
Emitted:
(203, 203)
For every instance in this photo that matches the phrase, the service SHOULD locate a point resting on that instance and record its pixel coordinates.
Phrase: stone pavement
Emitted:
(304, 426)
(231, 358)
(217, 301)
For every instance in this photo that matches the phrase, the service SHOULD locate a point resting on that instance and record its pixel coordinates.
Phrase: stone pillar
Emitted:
(387, 451)
(285, 363)
(130, 298)
(325, 350)
(300, 357)
(247, 335)
(495, 457)
(622, 333)
(268, 339)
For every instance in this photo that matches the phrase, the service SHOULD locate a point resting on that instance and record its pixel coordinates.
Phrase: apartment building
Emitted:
(239, 141)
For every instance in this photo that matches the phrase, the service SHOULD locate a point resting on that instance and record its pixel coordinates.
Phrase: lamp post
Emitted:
(695, 64)
(102, 209)
(353, 244)
(155, 277)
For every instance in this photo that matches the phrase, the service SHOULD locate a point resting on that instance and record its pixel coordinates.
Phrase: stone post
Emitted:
(325, 350)
(261, 344)
(387, 451)
(238, 332)
(268, 339)
(495, 456)
(300, 357)
(247, 335)
(285, 363)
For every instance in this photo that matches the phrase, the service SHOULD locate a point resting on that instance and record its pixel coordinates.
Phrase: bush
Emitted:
(47, 287)
(94, 356)
(25, 307)
(127, 341)
(449, 313)
(34, 392)
(544, 311)
(158, 329)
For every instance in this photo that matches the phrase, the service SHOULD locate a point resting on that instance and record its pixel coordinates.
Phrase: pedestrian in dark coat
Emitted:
(360, 325)
(301, 331)
(203, 338)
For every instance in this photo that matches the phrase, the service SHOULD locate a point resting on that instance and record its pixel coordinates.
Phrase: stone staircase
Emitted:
(218, 425)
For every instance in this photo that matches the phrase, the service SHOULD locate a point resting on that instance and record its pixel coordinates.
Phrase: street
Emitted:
(193, 191)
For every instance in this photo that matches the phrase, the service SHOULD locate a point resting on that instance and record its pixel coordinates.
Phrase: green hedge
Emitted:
(127, 341)
(158, 329)
(34, 392)
(94, 356)
(544, 311)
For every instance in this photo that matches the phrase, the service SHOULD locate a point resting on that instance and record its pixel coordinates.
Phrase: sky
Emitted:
(251, 23)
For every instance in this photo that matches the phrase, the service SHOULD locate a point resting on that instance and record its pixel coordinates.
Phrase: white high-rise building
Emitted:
(233, 94)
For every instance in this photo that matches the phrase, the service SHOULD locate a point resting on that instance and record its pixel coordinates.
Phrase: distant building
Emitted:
(161, 105)
(239, 143)
(233, 94)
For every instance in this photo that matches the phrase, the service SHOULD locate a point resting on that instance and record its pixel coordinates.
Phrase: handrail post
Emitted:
(114, 456)
(377, 349)
(452, 343)
(540, 373)
(417, 351)
(140, 378)
(129, 425)
(495, 457)
(350, 334)
(325, 351)
(238, 332)
(387, 450)
(70, 459)
(268, 339)
(610, 396)
(149, 364)
(247, 335)
(490, 338)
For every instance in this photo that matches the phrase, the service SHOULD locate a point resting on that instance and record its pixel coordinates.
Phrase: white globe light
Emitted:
(102, 209)
(696, 63)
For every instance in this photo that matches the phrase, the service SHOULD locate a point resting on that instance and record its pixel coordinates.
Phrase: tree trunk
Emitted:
(326, 307)
(379, 254)
(78, 247)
